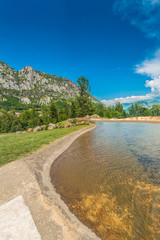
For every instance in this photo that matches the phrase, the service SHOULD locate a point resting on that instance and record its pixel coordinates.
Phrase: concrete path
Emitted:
(29, 204)
(16, 220)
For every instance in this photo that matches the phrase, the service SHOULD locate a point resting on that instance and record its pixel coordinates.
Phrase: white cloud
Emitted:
(144, 14)
(150, 68)
(154, 85)
(131, 99)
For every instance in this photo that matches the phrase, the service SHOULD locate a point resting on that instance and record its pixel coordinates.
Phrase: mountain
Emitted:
(30, 86)
(146, 103)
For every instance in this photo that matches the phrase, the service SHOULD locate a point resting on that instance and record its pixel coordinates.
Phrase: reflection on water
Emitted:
(110, 178)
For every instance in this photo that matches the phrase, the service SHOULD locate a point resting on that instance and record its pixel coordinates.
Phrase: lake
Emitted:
(110, 179)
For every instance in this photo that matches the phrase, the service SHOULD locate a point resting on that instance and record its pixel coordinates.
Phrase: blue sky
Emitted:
(114, 43)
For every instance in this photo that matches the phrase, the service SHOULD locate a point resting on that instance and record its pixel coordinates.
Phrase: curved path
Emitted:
(29, 203)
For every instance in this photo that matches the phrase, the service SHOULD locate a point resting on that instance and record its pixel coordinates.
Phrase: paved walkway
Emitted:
(15, 221)
(30, 208)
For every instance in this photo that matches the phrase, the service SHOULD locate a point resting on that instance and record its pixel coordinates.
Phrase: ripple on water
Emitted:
(109, 178)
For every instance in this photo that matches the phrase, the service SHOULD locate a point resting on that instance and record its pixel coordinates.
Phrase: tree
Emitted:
(83, 85)
(53, 113)
(119, 107)
(84, 105)
(16, 125)
(101, 110)
(66, 109)
(138, 110)
(108, 113)
(147, 112)
(6, 120)
(46, 118)
(156, 109)
(132, 110)
(34, 119)
(73, 110)
(116, 114)
(24, 119)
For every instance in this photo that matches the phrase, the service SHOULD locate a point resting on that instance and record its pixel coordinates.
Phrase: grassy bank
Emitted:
(13, 147)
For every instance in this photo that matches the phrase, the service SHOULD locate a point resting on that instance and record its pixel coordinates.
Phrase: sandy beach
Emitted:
(133, 119)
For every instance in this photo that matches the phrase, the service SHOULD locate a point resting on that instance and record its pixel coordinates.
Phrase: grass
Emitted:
(13, 147)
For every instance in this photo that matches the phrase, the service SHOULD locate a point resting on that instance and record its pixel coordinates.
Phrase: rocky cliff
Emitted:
(28, 85)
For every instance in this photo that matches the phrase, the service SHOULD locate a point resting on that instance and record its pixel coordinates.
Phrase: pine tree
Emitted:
(53, 113)
(34, 119)
(66, 109)
(73, 110)
(46, 117)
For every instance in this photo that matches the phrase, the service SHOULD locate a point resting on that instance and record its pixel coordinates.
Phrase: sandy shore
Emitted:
(26, 183)
(133, 119)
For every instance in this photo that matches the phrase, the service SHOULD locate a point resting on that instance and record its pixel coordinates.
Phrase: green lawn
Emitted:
(13, 147)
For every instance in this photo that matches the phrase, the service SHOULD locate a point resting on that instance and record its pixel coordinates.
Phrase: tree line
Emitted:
(81, 106)
(137, 110)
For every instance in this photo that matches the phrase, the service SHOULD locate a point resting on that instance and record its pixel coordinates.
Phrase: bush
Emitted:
(74, 121)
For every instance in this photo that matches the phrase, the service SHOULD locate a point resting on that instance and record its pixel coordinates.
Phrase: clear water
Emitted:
(110, 179)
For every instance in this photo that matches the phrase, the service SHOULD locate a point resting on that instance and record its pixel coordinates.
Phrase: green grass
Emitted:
(13, 147)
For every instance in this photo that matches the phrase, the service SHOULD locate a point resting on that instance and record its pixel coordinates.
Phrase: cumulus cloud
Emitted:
(131, 99)
(151, 68)
(154, 85)
(144, 14)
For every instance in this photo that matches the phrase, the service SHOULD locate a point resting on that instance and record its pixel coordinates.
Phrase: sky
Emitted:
(115, 44)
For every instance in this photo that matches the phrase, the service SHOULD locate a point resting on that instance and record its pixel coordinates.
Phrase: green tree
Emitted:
(6, 120)
(116, 114)
(137, 110)
(84, 105)
(101, 110)
(24, 119)
(147, 112)
(73, 110)
(16, 125)
(53, 113)
(46, 117)
(34, 119)
(119, 107)
(156, 109)
(132, 111)
(83, 85)
(66, 109)
(108, 113)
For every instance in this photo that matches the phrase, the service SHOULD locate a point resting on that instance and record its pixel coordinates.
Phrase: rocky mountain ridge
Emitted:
(29, 85)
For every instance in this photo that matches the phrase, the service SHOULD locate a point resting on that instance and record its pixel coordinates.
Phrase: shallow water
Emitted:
(110, 178)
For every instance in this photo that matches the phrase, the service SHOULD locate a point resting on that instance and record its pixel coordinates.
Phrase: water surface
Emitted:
(110, 178)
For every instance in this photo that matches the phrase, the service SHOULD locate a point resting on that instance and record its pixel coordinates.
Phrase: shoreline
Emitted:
(30, 178)
(129, 120)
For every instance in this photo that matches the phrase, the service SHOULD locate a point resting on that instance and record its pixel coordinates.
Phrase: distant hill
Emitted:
(30, 86)
(146, 103)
